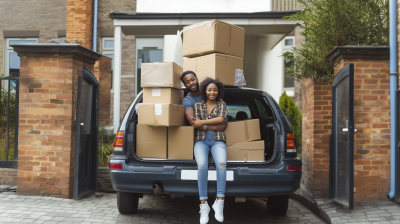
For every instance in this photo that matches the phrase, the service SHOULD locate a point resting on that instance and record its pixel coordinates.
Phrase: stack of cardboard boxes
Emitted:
(160, 131)
(213, 49)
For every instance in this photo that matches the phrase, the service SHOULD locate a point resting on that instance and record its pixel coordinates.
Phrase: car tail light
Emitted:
(290, 143)
(294, 168)
(119, 141)
(115, 166)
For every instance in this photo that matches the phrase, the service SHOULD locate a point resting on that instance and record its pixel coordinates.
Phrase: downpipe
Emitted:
(96, 4)
(393, 87)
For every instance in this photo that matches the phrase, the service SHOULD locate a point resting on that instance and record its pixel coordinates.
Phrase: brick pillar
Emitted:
(80, 22)
(317, 125)
(372, 121)
(102, 71)
(371, 117)
(47, 111)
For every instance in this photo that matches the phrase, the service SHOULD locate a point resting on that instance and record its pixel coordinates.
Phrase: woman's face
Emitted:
(212, 91)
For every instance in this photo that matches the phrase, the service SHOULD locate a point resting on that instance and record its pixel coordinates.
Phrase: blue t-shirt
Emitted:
(189, 101)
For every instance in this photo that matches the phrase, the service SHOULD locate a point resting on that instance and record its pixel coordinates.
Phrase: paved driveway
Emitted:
(152, 209)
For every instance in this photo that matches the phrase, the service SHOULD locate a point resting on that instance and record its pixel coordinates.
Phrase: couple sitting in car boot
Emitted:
(207, 113)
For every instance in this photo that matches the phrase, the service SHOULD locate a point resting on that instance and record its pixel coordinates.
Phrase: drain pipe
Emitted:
(96, 4)
(393, 87)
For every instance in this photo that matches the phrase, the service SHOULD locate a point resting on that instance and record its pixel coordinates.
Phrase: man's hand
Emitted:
(218, 127)
(196, 123)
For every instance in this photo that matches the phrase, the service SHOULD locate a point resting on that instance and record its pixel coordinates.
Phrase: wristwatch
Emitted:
(205, 127)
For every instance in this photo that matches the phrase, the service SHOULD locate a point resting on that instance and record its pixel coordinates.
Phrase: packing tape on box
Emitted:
(208, 23)
(246, 130)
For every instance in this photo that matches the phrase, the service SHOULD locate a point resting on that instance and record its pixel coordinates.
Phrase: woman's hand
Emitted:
(197, 123)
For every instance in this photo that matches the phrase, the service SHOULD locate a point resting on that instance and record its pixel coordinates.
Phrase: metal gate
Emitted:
(341, 152)
(9, 102)
(397, 151)
(86, 138)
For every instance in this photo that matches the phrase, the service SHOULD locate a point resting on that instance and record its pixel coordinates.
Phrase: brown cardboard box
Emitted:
(247, 151)
(242, 131)
(162, 95)
(161, 74)
(214, 37)
(151, 141)
(215, 66)
(161, 114)
(180, 142)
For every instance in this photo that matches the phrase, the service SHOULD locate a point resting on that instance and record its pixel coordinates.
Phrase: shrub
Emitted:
(331, 23)
(292, 112)
(106, 145)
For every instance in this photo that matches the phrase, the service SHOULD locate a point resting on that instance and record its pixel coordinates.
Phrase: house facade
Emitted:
(39, 21)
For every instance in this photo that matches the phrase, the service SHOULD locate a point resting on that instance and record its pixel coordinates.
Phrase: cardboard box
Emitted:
(180, 142)
(161, 114)
(213, 37)
(151, 141)
(246, 151)
(161, 74)
(242, 131)
(162, 95)
(215, 66)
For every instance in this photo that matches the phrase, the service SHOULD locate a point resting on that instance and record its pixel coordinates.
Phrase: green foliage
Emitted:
(292, 112)
(3, 146)
(106, 145)
(3, 107)
(331, 23)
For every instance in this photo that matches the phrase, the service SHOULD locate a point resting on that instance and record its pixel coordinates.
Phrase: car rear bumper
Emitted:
(247, 181)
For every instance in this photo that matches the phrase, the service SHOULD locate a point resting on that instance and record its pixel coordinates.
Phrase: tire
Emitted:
(278, 205)
(127, 203)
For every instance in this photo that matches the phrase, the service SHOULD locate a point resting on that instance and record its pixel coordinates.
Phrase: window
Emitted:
(107, 49)
(288, 83)
(289, 42)
(238, 112)
(12, 61)
(147, 50)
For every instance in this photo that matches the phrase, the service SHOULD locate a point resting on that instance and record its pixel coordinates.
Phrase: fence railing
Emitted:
(9, 110)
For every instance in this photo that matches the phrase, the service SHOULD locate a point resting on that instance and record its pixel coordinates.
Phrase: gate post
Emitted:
(48, 94)
(371, 118)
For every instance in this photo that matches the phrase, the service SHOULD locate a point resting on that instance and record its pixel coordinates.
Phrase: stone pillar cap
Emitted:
(55, 49)
(358, 52)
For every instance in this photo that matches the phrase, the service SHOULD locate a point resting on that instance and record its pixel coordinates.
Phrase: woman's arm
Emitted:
(197, 123)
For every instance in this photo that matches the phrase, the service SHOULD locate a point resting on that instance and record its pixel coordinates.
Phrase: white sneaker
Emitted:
(204, 210)
(218, 207)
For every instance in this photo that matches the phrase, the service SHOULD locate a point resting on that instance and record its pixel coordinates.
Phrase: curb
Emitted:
(312, 205)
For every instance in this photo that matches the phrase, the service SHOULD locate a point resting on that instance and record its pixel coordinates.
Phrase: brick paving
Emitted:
(378, 212)
(152, 209)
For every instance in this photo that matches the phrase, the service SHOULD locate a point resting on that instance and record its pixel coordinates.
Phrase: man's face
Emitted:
(191, 83)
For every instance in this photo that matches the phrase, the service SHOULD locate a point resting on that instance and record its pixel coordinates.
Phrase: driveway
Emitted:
(152, 209)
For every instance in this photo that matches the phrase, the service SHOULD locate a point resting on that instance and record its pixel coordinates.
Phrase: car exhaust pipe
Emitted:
(158, 190)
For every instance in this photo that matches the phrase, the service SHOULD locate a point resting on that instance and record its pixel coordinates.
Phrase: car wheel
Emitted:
(127, 203)
(278, 205)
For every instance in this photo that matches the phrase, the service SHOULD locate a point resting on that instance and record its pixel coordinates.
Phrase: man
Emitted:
(191, 83)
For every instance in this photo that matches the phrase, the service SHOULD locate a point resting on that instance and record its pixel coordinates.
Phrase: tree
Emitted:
(292, 112)
(331, 23)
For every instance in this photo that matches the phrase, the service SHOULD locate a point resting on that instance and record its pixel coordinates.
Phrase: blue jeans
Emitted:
(218, 150)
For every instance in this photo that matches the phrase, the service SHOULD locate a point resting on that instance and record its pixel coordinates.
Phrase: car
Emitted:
(272, 179)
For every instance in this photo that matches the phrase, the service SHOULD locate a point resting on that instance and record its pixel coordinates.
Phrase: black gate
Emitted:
(9, 101)
(341, 152)
(86, 138)
(397, 151)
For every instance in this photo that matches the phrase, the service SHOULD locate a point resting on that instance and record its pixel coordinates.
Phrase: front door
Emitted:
(341, 155)
(86, 151)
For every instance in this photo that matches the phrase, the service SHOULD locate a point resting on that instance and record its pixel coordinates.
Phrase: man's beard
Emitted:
(197, 88)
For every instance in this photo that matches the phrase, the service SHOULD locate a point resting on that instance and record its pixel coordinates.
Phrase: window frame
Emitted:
(105, 51)
(8, 50)
(289, 90)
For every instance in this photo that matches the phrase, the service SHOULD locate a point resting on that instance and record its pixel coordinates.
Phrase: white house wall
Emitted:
(180, 6)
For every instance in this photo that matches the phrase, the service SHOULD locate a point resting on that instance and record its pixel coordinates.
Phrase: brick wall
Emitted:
(80, 22)
(47, 117)
(23, 15)
(102, 71)
(8, 176)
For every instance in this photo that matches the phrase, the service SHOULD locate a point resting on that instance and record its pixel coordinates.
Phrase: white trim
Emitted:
(117, 75)
(172, 22)
(103, 44)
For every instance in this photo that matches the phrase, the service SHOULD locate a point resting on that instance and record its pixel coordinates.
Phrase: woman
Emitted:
(211, 111)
